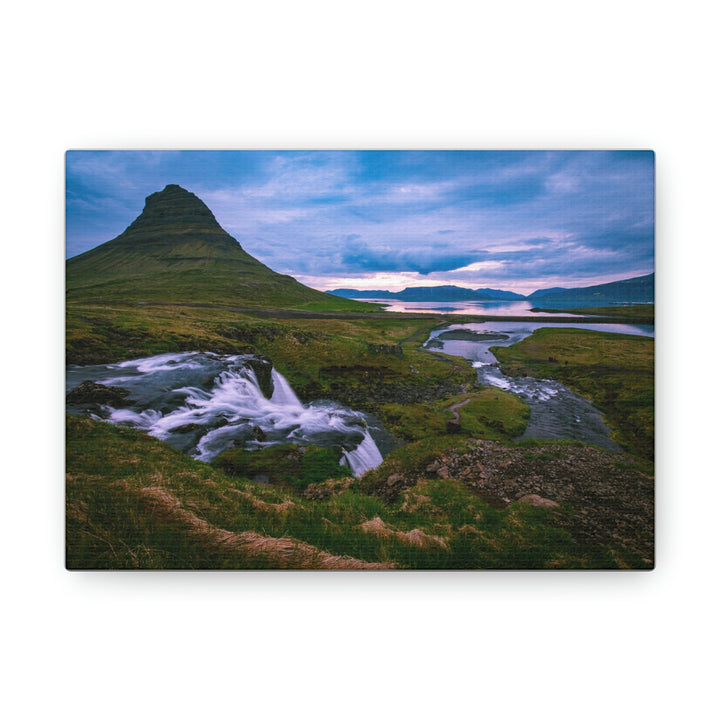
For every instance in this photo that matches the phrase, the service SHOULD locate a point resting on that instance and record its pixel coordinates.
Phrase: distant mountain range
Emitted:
(635, 290)
(440, 293)
(546, 291)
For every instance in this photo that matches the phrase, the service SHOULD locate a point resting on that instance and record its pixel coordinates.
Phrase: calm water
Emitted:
(476, 307)
(463, 307)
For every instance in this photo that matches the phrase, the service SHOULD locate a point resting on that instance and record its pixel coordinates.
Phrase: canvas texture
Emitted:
(360, 360)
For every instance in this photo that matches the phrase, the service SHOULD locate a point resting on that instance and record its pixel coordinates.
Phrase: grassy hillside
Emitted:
(440, 501)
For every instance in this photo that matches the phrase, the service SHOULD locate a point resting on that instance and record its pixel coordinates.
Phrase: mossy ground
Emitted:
(354, 359)
(437, 524)
(616, 372)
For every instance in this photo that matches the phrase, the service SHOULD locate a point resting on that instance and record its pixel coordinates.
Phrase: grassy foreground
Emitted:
(457, 494)
(135, 503)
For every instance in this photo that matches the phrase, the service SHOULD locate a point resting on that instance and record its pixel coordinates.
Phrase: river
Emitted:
(203, 403)
(556, 412)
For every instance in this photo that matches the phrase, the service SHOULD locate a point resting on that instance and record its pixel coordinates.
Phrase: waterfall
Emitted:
(366, 456)
(283, 394)
(203, 404)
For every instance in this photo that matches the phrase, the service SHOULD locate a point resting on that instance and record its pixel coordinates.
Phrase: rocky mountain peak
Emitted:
(174, 205)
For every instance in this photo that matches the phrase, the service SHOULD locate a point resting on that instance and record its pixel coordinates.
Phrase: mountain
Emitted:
(546, 291)
(351, 293)
(634, 290)
(499, 294)
(176, 251)
(441, 293)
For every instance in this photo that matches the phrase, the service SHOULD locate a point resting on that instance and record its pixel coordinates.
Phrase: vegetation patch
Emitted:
(616, 372)
(293, 465)
(134, 502)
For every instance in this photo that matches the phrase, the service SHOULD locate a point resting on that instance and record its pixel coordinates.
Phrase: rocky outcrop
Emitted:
(91, 393)
(262, 367)
(538, 501)
(599, 497)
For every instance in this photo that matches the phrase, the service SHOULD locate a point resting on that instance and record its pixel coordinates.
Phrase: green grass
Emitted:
(488, 413)
(322, 357)
(628, 313)
(616, 372)
(290, 465)
(353, 360)
(111, 470)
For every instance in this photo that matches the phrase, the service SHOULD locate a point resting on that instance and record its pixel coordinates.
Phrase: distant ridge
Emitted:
(633, 290)
(546, 291)
(176, 251)
(440, 293)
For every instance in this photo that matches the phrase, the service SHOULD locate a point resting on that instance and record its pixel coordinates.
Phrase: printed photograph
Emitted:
(360, 360)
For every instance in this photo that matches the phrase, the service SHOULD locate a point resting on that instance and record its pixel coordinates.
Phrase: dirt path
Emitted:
(454, 409)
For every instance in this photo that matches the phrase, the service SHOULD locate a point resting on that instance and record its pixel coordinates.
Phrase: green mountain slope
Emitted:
(176, 251)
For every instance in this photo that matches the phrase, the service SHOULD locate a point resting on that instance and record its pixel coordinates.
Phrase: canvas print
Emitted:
(359, 360)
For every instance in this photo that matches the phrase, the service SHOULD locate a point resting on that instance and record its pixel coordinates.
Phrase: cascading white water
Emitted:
(366, 456)
(204, 403)
(283, 394)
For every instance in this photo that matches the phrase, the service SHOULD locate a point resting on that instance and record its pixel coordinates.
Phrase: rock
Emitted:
(393, 479)
(538, 501)
(433, 467)
(190, 427)
(89, 392)
(443, 472)
(258, 433)
(262, 367)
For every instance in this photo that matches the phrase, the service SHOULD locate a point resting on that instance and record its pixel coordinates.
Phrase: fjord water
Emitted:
(203, 404)
(516, 308)
(556, 412)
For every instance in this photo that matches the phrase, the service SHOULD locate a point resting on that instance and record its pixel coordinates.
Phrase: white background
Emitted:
(366, 75)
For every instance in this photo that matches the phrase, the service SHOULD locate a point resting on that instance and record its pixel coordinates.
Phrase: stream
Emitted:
(203, 403)
(556, 412)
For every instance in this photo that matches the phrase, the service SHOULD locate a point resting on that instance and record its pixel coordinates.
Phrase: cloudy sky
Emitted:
(512, 220)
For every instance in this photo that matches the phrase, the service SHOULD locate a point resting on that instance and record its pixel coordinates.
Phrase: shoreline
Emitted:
(286, 313)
